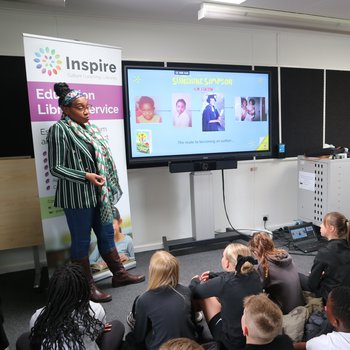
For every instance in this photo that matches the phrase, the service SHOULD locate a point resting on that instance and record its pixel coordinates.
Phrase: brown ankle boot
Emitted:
(96, 295)
(120, 276)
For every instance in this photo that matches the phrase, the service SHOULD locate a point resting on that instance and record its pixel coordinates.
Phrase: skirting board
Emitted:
(28, 264)
(25, 265)
(148, 247)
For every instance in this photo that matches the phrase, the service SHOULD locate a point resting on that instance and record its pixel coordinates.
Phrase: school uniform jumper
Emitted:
(331, 268)
(281, 342)
(283, 283)
(230, 288)
(161, 314)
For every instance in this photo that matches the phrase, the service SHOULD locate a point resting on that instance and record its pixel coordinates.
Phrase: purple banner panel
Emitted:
(106, 101)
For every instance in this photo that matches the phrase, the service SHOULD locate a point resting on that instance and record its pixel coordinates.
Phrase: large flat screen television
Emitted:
(191, 115)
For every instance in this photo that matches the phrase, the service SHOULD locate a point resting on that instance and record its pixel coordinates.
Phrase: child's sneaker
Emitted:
(198, 316)
(130, 320)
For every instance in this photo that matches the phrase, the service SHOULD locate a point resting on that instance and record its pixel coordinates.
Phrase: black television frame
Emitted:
(203, 161)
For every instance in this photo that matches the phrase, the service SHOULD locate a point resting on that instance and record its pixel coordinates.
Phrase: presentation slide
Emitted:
(188, 112)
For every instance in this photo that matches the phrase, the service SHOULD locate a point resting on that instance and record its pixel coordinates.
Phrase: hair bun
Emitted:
(61, 89)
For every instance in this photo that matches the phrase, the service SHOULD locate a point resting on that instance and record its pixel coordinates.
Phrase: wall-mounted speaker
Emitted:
(202, 165)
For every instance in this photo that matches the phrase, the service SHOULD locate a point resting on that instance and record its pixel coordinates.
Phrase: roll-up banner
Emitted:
(95, 70)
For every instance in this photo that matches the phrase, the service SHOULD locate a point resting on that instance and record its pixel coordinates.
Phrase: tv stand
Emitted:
(191, 245)
(202, 213)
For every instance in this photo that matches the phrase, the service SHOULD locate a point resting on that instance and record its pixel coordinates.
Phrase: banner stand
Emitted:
(95, 70)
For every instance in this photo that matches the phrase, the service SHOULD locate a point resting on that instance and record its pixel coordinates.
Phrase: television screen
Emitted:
(179, 114)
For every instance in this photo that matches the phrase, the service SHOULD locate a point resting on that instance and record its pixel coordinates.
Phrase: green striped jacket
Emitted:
(70, 160)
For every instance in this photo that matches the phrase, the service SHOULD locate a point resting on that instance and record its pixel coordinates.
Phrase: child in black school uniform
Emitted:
(220, 295)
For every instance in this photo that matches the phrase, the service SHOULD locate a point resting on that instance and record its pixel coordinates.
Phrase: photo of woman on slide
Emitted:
(212, 119)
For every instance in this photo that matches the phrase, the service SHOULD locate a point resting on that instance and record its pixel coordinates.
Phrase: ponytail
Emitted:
(261, 244)
(340, 223)
(240, 258)
(245, 264)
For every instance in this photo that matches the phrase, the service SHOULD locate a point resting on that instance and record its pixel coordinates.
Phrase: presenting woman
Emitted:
(87, 188)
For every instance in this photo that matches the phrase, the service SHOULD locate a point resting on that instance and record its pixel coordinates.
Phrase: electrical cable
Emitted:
(224, 199)
(225, 208)
(287, 244)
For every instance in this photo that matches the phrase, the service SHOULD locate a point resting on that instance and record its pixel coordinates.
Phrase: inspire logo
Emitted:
(48, 61)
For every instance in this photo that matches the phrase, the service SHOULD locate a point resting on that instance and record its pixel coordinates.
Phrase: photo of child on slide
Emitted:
(250, 109)
(182, 116)
(146, 111)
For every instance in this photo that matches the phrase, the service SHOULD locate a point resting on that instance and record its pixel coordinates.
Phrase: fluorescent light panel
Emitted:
(249, 15)
(230, 2)
(59, 3)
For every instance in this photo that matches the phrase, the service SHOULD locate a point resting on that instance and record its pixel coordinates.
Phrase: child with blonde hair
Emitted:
(262, 324)
(164, 310)
(181, 344)
(220, 295)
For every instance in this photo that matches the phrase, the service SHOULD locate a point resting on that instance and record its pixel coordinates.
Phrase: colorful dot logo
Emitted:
(137, 79)
(48, 61)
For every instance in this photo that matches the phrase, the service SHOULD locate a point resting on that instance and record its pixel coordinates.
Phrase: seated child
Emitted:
(69, 320)
(331, 266)
(123, 243)
(146, 109)
(278, 273)
(164, 310)
(181, 344)
(220, 295)
(338, 315)
(262, 324)
(4, 343)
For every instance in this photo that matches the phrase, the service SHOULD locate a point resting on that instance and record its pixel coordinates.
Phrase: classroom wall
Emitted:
(159, 200)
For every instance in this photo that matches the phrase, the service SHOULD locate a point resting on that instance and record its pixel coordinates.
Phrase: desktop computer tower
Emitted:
(323, 186)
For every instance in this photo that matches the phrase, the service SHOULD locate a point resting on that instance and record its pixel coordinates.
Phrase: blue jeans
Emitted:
(80, 222)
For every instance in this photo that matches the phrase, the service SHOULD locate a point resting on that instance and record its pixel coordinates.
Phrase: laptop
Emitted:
(304, 237)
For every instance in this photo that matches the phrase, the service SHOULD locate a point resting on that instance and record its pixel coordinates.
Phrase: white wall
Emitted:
(160, 200)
